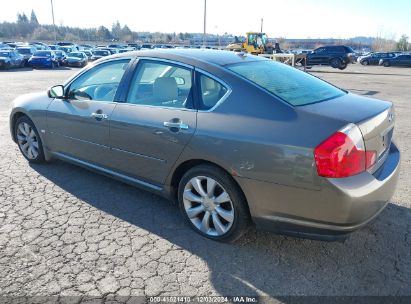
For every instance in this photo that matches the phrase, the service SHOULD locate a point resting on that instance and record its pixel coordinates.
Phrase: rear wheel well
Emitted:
(187, 165)
(15, 117)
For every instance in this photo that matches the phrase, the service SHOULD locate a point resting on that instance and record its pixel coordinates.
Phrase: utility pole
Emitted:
(262, 20)
(205, 18)
(54, 24)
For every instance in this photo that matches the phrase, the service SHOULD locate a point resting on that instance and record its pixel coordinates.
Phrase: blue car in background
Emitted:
(44, 59)
(10, 58)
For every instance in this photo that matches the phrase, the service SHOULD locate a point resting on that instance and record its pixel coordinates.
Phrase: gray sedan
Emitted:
(235, 139)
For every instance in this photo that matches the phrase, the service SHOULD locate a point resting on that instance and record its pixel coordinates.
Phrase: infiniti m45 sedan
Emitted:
(234, 139)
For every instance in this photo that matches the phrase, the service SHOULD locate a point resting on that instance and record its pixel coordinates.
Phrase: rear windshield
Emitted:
(290, 84)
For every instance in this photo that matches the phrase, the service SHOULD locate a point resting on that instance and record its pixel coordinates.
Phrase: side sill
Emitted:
(110, 173)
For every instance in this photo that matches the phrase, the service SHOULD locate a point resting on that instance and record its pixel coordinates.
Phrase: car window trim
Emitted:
(198, 72)
(135, 68)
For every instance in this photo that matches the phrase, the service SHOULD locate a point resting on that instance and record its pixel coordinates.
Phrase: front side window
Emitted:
(161, 84)
(99, 83)
(291, 85)
(211, 92)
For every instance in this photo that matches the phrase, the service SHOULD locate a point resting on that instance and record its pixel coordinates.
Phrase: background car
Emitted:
(39, 45)
(111, 50)
(44, 59)
(400, 60)
(97, 54)
(88, 53)
(336, 56)
(4, 46)
(233, 139)
(10, 59)
(61, 57)
(68, 49)
(125, 50)
(374, 58)
(146, 46)
(26, 52)
(76, 59)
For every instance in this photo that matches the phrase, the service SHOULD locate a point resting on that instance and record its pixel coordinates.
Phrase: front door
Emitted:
(319, 56)
(150, 130)
(78, 125)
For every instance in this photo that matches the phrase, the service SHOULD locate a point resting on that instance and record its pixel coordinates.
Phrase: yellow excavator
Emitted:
(255, 43)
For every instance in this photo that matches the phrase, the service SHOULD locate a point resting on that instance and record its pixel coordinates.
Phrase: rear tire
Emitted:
(28, 140)
(342, 66)
(218, 210)
(335, 63)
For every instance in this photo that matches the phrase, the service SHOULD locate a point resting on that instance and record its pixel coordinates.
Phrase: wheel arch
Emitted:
(183, 167)
(13, 119)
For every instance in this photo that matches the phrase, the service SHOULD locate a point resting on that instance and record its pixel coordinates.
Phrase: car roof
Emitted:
(195, 56)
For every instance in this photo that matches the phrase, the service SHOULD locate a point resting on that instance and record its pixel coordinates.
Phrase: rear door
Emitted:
(78, 125)
(407, 61)
(150, 130)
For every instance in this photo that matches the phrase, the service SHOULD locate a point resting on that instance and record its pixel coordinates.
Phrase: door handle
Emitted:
(99, 116)
(176, 125)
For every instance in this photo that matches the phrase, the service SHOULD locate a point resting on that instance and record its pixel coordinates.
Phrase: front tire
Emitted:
(386, 64)
(212, 204)
(365, 62)
(28, 140)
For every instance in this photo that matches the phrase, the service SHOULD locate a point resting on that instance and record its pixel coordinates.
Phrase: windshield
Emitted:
(4, 54)
(42, 54)
(78, 55)
(101, 53)
(293, 86)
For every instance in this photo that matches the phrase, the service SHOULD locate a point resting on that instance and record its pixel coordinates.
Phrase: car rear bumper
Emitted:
(341, 205)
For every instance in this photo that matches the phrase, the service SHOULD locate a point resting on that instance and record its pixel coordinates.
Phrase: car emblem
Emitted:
(390, 117)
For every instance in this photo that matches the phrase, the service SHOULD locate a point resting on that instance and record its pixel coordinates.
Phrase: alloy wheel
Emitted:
(27, 140)
(208, 206)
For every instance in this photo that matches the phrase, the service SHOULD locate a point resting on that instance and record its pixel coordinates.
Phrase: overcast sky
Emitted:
(282, 18)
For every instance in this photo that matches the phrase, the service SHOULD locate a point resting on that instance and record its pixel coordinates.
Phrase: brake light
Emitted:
(343, 154)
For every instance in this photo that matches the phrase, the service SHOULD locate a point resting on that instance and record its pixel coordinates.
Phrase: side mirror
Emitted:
(56, 91)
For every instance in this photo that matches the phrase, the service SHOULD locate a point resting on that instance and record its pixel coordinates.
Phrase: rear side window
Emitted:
(291, 85)
(211, 92)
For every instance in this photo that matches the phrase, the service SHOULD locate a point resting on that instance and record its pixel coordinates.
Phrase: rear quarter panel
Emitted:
(254, 135)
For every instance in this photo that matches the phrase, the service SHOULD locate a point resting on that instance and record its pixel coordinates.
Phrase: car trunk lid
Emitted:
(375, 118)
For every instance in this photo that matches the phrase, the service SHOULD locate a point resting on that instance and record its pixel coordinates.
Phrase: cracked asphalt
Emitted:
(69, 232)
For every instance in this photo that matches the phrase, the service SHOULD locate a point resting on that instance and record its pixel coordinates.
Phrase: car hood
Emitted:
(348, 108)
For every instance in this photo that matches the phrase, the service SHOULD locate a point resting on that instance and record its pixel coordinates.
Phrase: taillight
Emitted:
(343, 154)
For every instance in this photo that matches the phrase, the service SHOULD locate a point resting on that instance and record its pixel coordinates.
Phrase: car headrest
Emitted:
(165, 89)
(207, 84)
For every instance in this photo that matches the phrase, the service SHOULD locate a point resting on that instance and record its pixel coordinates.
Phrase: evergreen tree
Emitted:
(402, 45)
(33, 19)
